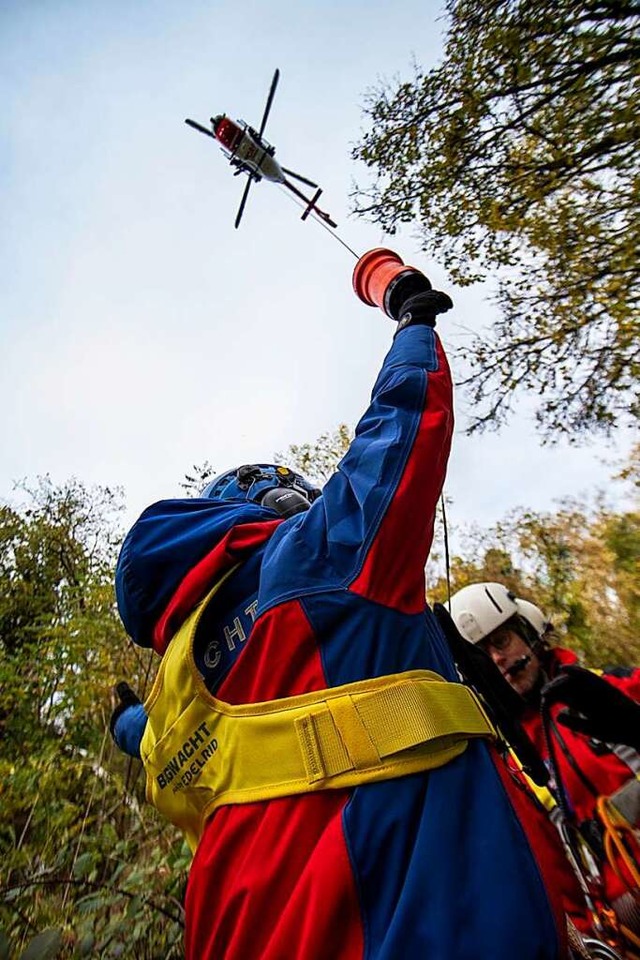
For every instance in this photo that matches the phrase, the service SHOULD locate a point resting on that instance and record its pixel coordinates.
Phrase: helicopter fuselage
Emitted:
(246, 149)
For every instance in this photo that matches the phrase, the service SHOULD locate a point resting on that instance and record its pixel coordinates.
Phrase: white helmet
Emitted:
(534, 617)
(480, 608)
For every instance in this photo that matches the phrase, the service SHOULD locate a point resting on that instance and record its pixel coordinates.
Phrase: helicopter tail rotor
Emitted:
(311, 203)
(311, 207)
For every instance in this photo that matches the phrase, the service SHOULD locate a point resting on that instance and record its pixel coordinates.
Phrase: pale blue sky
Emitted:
(140, 332)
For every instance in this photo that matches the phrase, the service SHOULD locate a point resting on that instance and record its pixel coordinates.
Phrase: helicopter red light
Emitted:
(228, 133)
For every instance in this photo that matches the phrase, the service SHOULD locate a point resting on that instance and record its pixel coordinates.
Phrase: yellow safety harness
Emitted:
(201, 753)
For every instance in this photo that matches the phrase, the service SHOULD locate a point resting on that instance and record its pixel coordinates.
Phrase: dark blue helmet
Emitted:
(276, 487)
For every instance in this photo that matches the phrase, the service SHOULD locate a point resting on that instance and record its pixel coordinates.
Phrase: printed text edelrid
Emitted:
(195, 751)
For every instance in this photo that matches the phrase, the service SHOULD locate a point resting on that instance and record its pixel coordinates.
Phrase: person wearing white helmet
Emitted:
(591, 749)
(510, 629)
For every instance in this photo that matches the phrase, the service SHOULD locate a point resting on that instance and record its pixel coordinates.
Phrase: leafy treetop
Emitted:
(518, 154)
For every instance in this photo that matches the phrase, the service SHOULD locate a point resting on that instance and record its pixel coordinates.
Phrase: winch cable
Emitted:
(447, 563)
(445, 528)
(334, 233)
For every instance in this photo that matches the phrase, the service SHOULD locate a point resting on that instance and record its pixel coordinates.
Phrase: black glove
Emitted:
(596, 708)
(411, 300)
(127, 699)
(423, 308)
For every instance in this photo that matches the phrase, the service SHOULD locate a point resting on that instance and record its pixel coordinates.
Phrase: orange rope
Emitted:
(630, 935)
(621, 844)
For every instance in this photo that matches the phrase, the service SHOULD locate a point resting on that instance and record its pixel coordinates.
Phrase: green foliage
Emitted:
(201, 474)
(579, 564)
(44, 946)
(317, 461)
(518, 154)
(87, 869)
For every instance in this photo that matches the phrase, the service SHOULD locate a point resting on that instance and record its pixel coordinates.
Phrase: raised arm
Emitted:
(380, 505)
(371, 530)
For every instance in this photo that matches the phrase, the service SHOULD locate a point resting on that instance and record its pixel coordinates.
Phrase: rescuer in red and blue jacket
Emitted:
(314, 604)
(585, 726)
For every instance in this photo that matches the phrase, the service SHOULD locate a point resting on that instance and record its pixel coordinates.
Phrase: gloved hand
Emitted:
(423, 308)
(127, 699)
(128, 720)
(381, 279)
(596, 708)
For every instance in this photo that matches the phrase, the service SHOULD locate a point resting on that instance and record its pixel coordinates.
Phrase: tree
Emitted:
(518, 155)
(194, 482)
(318, 460)
(56, 604)
(86, 868)
(578, 564)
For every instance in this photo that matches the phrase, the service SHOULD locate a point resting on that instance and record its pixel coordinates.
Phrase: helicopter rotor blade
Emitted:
(243, 202)
(274, 84)
(292, 173)
(198, 126)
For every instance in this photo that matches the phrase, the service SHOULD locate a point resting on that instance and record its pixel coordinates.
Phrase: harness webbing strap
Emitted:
(357, 732)
(201, 753)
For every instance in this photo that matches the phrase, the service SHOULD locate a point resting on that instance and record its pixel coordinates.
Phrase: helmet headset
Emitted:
(535, 618)
(275, 487)
(482, 608)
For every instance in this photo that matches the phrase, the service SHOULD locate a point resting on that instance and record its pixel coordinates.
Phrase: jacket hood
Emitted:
(174, 553)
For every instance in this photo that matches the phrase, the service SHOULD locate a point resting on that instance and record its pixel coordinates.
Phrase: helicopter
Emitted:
(248, 151)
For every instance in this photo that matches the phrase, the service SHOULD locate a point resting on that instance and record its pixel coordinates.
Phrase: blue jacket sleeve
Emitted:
(371, 530)
(129, 729)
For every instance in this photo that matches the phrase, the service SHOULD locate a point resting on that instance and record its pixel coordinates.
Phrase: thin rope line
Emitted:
(446, 550)
(333, 232)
